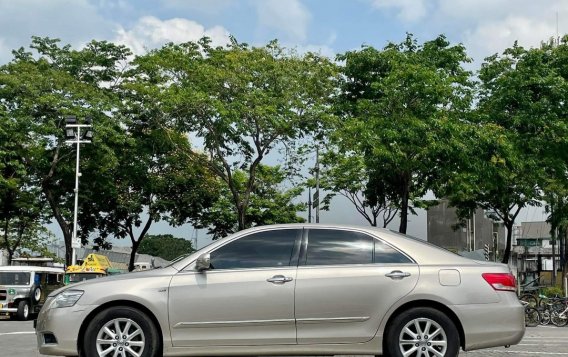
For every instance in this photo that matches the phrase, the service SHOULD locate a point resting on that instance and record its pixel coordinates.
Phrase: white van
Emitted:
(23, 289)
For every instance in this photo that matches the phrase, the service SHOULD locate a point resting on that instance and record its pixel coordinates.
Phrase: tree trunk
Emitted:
(133, 254)
(404, 206)
(241, 217)
(507, 252)
(65, 228)
(10, 256)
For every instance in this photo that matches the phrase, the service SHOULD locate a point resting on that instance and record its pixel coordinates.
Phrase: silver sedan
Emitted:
(292, 290)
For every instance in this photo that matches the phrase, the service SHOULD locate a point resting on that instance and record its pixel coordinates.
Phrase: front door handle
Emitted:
(279, 279)
(397, 275)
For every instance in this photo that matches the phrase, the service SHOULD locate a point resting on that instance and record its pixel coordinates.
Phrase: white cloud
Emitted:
(494, 37)
(150, 32)
(408, 10)
(490, 26)
(73, 21)
(290, 18)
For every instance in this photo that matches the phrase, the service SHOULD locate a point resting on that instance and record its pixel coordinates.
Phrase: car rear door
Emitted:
(346, 282)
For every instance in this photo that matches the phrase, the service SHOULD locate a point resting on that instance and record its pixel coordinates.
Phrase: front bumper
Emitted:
(57, 329)
(8, 310)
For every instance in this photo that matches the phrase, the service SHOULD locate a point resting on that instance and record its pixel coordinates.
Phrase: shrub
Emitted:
(552, 291)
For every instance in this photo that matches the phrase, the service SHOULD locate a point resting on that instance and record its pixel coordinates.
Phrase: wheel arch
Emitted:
(425, 303)
(116, 303)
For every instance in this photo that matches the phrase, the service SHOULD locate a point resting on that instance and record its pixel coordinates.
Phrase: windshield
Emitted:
(14, 278)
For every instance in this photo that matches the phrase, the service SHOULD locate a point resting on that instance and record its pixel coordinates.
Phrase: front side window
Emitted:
(332, 247)
(257, 250)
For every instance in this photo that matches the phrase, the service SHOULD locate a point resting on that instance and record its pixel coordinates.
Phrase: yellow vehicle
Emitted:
(94, 266)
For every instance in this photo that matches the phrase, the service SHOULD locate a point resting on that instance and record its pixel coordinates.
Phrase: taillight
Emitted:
(501, 281)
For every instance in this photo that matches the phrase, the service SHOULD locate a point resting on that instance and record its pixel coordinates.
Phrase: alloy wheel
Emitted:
(423, 337)
(120, 337)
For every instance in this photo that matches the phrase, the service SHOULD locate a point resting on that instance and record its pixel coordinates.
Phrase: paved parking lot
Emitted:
(17, 338)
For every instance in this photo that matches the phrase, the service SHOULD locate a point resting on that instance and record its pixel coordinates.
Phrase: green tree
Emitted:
(21, 206)
(345, 174)
(157, 177)
(165, 246)
(270, 203)
(492, 173)
(395, 108)
(516, 146)
(37, 92)
(243, 102)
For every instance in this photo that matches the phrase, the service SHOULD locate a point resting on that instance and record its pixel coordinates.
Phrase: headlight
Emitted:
(67, 298)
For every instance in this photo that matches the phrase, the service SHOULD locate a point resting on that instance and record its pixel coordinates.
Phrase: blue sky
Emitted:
(326, 26)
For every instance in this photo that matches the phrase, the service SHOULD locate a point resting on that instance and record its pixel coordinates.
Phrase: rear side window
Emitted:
(337, 247)
(385, 254)
(331, 247)
(258, 250)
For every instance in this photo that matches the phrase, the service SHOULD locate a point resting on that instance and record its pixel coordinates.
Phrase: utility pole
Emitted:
(317, 199)
(73, 136)
(309, 205)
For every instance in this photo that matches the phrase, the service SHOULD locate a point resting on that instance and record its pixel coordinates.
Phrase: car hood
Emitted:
(96, 283)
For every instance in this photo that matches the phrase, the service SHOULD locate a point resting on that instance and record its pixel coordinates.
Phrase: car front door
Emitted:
(245, 298)
(346, 282)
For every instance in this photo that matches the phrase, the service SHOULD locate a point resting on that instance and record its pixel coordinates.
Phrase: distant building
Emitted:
(474, 234)
(535, 250)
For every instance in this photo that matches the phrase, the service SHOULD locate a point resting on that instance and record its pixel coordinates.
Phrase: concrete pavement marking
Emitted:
(525, 352)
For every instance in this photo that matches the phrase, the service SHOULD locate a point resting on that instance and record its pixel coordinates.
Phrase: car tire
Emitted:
(421, 322)
(37, 295)
(23, 313)
(532, 317)
(131, 322)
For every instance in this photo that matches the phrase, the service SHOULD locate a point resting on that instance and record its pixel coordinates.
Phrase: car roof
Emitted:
(421, 251)
(23, 268)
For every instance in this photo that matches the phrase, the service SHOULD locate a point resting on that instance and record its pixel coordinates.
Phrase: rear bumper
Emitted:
(492, 325)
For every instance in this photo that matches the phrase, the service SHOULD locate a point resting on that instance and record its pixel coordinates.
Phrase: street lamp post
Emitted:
(74, 136)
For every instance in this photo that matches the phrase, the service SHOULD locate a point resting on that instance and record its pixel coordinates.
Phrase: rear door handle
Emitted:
(279, 279)
(397, 275)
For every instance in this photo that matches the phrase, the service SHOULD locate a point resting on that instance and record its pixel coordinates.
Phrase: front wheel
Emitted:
(559, 319)
(121, 331)
(422, 331)
(23, 312)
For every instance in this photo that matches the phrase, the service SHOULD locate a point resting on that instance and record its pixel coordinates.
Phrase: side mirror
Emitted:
(203, 262)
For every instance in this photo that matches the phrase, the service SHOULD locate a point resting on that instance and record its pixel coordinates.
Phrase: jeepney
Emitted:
(23, 289)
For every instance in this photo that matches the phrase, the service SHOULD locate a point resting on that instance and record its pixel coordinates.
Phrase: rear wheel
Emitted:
(121, 331)
(558, 319)
(544, 317)
(422, 331)
(530, 299)
(532, 317)
(23, 312)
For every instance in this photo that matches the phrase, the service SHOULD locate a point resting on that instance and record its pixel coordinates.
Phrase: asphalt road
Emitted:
(17, 338)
